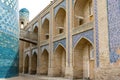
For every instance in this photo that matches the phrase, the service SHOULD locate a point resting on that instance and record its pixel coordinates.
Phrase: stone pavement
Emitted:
(35, 77)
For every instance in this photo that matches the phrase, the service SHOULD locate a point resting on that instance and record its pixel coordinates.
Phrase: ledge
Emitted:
(59, 37)
(82, 28)
(27, 49)
(45, 42)
(35, 47)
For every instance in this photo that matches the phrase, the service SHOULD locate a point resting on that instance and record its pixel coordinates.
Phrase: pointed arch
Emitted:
(83, 59)
(44, 62)
(45, 49)
(26, 64)
(60, 21)
(61, 11)
(45, 30)
(59, 61)
(35, 30)
(34, 33)
(46, 19)
(59, 44)
(82, 12)
(61, 7)
(85, 39)
(34, 63)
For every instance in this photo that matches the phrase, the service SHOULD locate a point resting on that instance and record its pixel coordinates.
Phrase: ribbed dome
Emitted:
(24, 10)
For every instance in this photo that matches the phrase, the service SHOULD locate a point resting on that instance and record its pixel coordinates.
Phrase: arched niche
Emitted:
(83, 12)
(45, 30)
(60, 22)
(44, 62)
(83, 60)
(59, 61)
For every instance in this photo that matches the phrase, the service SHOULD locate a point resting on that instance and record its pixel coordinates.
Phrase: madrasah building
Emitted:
(75, 39)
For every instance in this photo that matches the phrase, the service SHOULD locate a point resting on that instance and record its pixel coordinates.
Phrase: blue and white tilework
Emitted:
(47, 16)
(114, 28)
(88, 35)
(45, 47)
(60, 42)
(34, 51)
(96, 33)
(9, 38)
(61, 5)
(24, 13)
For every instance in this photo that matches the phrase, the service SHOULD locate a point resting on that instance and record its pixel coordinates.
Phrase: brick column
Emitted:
(38, 57)
(103, 33)
(30, 60)
(69, 67)
(50, 69)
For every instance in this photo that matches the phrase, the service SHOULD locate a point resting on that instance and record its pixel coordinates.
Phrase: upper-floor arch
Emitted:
(60, 22)
(60, 5)
(45, 30)
(83, 12)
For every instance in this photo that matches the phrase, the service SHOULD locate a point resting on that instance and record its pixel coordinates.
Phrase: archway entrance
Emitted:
(34, 63)
(83, 60)
(44, 60)
(26, 67)
(59, 61)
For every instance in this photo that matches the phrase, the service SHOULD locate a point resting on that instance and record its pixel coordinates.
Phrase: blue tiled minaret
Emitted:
(9, 38)
(24, 16)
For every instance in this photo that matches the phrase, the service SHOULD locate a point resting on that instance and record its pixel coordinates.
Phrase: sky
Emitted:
(34, 6)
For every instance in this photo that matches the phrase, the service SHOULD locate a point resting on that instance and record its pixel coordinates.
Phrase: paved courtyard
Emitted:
(34, 77)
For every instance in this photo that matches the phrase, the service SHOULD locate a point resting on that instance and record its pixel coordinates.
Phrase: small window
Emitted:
(60, 31)
(22, 25)
(47, 36)
(80, 21)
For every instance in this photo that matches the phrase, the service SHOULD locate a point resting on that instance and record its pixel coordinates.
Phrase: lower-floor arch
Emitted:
(34, 64)
(83, 64)
(26, 65)
(44, 63)
(59, 62)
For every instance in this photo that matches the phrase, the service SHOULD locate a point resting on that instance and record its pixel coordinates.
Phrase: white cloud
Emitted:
(34, 6)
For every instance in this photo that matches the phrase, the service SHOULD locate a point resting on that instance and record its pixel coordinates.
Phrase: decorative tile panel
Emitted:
(61, 42)
(114, 28)
(27, 53)
(45, 47)
(47, 16)
(88, 35)
(96, 33)
(61, 5)
(9, 38)
(69, 35)
(35, 51)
